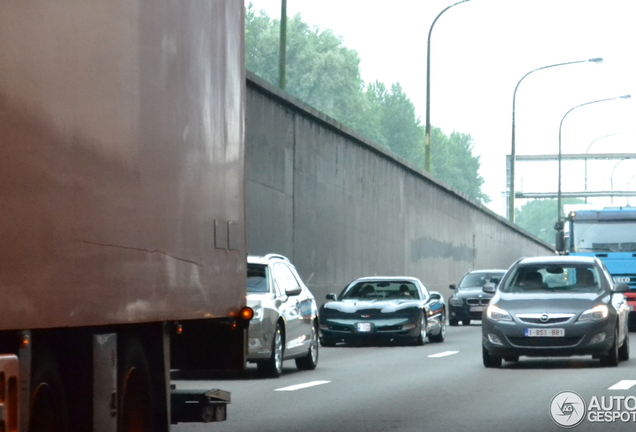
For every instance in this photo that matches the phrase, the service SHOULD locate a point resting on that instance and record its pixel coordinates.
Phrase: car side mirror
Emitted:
(452, 286)
(434, 295)
(489, 288)
(559, 238)
(332, 297)
(620, 288)
(293, 291)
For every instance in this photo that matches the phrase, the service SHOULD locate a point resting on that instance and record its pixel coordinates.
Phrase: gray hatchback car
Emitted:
(556, 306)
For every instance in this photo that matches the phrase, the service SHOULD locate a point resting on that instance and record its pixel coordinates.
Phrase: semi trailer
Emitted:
(122, 211)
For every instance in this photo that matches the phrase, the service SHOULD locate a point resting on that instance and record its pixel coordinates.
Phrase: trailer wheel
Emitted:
(49, 412)
(135, 410)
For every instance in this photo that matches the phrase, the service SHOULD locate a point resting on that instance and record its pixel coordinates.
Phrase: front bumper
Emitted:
(351, 328)
(503, 339)
(465, 312)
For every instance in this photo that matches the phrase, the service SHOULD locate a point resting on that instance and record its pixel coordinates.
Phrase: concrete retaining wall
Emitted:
(341, 207)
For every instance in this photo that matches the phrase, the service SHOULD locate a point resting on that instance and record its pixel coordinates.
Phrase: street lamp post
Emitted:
(559, 204)
(427, 133)
(612, 181)
(587, 151)
(511, 178)
(628, 184)
(282, 49)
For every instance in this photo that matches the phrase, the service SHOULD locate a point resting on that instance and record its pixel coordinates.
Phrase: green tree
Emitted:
(454, 163)
(320, 71)
(390, 120)
(323, 73)
(539, 216)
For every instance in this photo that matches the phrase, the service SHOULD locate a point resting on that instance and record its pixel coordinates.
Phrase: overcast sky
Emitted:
(480, 49)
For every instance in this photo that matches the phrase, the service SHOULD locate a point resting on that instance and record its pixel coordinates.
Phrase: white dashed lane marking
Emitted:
(623, 385)
(302, 386)
(443, 354)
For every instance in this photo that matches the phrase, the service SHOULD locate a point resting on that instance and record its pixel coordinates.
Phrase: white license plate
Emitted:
(549, 332)
(363, 327)
(477, 308)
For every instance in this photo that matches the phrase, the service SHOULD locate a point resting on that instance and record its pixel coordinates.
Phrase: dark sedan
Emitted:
(556, 306)
(469, 301)
(383, 308)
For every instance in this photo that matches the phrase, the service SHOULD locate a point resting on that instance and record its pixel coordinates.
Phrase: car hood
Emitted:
(384, 306)
(549, 303)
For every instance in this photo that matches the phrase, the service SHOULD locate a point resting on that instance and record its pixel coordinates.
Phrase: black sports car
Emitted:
(383, 308)
(469, 301)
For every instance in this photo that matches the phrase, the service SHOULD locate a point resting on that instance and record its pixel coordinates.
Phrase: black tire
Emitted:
(135, 409)
(273, 366)
(490, 361)
(453, 322)
(611, 358)
(442, 332)
(49, 408)
(421, 338)
(623, 351)
(310, 361)
(466, 322)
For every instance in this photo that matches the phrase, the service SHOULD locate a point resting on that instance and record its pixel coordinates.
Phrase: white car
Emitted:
(285, 322)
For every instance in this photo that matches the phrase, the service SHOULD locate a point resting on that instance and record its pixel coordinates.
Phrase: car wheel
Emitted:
(611, 359)
(623, 351)
(419, 340)
(466, 322)
(511, 359)
(453, 322)
(273, 366)
(490, 361)
(439, 337)
(310, 361)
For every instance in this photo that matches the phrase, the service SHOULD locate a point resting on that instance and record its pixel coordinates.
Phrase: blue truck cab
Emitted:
(610, 235)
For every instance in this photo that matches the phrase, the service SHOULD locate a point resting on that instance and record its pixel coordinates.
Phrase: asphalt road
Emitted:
(441, 386)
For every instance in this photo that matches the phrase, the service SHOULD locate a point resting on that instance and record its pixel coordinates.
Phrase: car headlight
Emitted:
(497, 314)
(597, 313)
(258, 313)
(454, 301)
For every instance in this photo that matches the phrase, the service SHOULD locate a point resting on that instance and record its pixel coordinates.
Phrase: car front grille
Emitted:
(340, 328)
(389, 328)
(544, 318)
(545, 342)
(477, 301)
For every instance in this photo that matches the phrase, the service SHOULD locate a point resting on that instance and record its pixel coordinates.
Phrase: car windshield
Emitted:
(473, 280)
(553, 278)
(398, 290)
(257, 278)
(604, 236)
